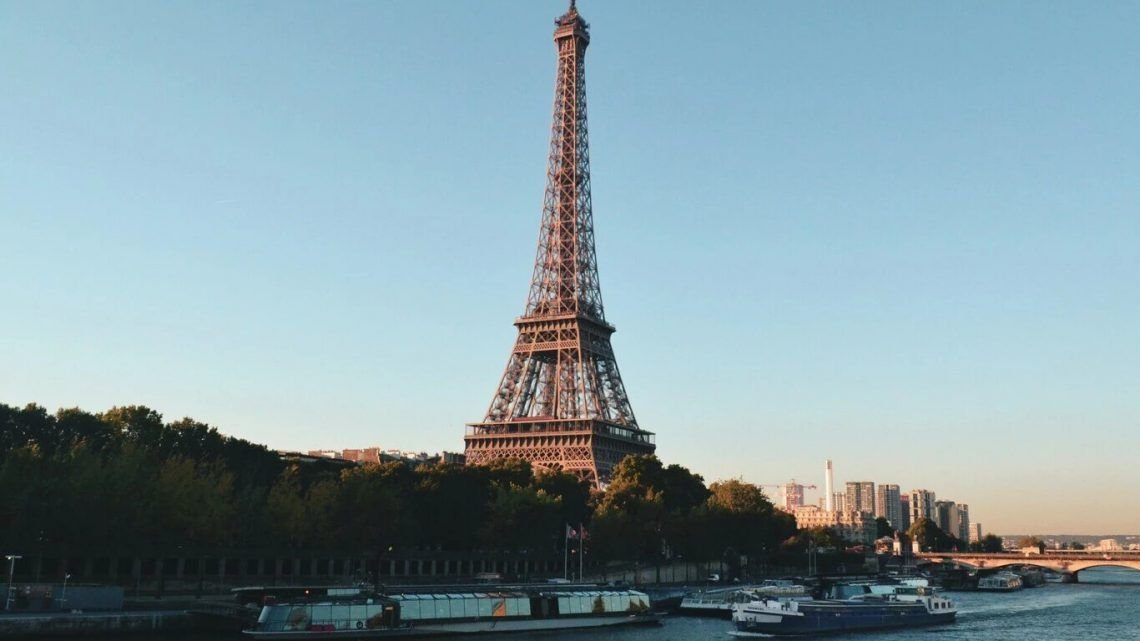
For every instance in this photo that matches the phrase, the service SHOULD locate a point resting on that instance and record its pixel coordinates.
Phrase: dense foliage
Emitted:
(990, 543)
(124, 479)
(932, 538)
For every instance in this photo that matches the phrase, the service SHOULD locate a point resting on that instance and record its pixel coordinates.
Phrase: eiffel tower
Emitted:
(561, 403)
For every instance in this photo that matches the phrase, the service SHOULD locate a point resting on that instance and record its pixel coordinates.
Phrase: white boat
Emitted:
(779, 588)
(1000, 582)
(714, 603)
(720, 603)
(419, 614)
(857, 589)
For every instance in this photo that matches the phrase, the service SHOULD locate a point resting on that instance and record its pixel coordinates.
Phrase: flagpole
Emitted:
(581, 550)
(566, 552)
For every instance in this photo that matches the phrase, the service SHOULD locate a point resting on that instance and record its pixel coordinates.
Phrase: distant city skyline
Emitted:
(899, 236)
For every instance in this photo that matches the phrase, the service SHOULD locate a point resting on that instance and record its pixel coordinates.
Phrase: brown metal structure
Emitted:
(561, 403)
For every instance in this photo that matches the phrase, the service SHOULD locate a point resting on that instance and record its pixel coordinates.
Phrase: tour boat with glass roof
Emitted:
(515, 609)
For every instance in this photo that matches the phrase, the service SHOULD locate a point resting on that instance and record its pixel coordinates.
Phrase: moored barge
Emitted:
(364, 616)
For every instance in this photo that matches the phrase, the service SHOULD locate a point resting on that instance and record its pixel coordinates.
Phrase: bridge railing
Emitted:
(1048, 554)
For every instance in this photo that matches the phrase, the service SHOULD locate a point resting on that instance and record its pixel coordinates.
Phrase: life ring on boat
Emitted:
(359, 625)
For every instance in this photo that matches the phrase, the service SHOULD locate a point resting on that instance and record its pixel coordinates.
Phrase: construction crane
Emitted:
(791, 482)
(791, 499)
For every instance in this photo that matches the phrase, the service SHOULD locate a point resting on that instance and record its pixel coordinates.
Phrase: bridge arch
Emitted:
(1110, 564)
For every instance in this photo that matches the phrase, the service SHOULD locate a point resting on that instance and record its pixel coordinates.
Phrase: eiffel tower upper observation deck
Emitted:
(561, 402)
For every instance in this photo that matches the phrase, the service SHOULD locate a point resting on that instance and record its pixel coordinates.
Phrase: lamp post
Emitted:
(63, 596)
(12, 558)
(40, 541)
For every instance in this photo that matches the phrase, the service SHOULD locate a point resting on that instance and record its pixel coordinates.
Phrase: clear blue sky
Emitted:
(903, 236)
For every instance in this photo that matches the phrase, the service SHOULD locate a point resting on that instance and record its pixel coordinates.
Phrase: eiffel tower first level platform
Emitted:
(561, 403)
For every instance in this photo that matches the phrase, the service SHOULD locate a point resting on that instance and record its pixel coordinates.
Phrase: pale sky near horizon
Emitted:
(903, 236)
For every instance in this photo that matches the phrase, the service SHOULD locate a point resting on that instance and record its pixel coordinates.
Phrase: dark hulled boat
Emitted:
(905, 607)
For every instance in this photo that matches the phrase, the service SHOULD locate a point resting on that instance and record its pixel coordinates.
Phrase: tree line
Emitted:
(126, 479)
(932, 538)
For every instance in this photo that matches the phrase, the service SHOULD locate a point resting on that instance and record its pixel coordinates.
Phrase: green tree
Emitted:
(931, 538)
(448, 494)
(883, 527)
(523, 518)
(137, 424)
(573, 494)
(683, 490)
(630, 520)
(1031, 542)
(370, 510)
(77, 427)
(992, 543)
(740, 519)
(820, 537)
(194, 502)
(285, 508)
(738, 497)
(510, 470)
(632, 479)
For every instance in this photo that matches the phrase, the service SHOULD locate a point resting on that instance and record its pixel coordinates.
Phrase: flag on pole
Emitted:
(566, 553)
(581, 552)
(570, 532)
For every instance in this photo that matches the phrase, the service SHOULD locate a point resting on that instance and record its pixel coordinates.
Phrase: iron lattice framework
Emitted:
(561, 403)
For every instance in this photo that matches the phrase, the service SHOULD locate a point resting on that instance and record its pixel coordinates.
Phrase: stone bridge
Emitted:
(1061, 561)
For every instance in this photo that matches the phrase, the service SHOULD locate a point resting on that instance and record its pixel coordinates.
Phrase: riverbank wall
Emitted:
(63, 624)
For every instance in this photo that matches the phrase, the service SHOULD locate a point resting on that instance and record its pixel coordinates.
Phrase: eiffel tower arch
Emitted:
(561, 403)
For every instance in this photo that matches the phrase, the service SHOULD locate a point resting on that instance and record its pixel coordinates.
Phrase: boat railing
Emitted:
(328, 625)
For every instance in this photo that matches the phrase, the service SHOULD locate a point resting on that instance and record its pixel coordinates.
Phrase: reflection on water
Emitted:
(1109, 575)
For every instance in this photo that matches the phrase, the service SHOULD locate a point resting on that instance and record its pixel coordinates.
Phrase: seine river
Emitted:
(1105, 606)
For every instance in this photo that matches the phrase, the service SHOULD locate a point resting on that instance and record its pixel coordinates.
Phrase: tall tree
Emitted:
(573, 494)
(523, 518)
(744, 521)
(992, 543)
(138, 424)
(883, 527)
(932, 538)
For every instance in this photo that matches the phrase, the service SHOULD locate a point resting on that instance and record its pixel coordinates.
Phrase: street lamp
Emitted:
(12, 558)
(63, 596)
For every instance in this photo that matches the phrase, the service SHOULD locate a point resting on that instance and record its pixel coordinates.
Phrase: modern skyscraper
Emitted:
(888, 505)
(921, 505)
(828, 487)
(946, 517)
(975, 532)
(561, 402)
(860, 497)
(904, 510)
(963, 524)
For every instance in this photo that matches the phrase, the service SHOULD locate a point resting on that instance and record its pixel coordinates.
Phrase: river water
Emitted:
(1105, 606)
